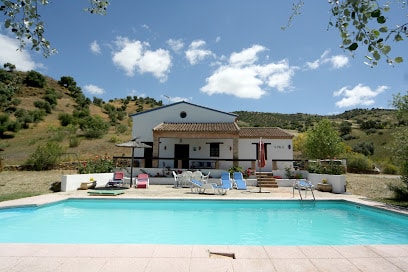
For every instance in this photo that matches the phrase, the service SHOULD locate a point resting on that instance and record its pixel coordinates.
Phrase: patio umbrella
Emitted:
(133, 144)
(261, 155)
(261, 159)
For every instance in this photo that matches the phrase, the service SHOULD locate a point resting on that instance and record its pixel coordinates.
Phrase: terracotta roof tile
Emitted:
(265, 132)
(197, 127)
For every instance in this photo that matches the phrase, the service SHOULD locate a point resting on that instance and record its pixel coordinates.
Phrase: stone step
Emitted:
(267, 185)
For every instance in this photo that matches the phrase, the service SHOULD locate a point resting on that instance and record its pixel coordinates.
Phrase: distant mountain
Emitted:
(34, 106)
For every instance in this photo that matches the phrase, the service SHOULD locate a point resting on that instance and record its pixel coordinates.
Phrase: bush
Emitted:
(365, 148)
(34, 79)
(120, 129)
(46, 106)
(45, 157)
(245, 173)
(390, 169)
(94, 127)
(358, 163)
(330, 168)
(400, 191)
(66, 119)
(97, 165)
(74, 141)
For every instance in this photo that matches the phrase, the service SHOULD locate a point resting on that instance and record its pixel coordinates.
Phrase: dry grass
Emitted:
(371, 186)
(16, 184)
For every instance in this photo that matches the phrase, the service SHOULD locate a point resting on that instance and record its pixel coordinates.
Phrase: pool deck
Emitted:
(179, 258)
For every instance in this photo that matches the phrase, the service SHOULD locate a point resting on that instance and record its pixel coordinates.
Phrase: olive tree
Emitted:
(364, 23)
(23, 19)
(400, 145)
(323, 141)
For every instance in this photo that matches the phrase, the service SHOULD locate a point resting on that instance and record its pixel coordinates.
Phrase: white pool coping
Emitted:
(123, 257)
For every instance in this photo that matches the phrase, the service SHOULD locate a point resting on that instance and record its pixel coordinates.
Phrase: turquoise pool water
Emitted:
(229, 222)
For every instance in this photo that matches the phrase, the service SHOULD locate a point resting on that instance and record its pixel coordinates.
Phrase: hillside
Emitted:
(19, 145)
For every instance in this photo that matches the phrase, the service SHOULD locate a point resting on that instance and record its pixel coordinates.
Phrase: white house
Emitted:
(185, 136)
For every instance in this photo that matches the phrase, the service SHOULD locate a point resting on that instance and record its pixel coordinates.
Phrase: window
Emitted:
(183, 114)
(214, 149)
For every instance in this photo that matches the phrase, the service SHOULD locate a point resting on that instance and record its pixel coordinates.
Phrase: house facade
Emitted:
(188, 136)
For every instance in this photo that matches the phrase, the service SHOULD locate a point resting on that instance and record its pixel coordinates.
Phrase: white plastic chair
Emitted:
(205, 178)
(177, 179)
(197, 175)
(185, 178)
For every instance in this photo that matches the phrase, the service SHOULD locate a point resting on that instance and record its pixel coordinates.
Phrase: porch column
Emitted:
(156, 141)
(235, 152)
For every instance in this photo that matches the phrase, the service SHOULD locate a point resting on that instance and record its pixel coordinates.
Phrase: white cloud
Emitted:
(9, 53)
(360, 95)
(244, 78)
(174, 99)
(176, 45)
(135, 55)
(93, 89)
(247, 56)
(337, 62)
(196, 52)
(95, 48)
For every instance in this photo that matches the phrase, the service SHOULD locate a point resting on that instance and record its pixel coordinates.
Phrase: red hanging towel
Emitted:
(261, 154)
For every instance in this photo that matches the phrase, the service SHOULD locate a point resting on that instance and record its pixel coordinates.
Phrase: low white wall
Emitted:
(338, 182)
(73, 182)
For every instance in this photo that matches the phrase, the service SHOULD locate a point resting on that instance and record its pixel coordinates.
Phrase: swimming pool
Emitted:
(216, 222)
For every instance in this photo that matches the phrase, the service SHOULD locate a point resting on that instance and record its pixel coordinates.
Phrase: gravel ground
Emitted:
(40, 182)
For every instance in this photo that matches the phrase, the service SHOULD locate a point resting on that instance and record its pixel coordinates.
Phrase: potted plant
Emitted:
(324, 186)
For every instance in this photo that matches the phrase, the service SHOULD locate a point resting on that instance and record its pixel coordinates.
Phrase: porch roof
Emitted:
(265, 132)
(197, 127)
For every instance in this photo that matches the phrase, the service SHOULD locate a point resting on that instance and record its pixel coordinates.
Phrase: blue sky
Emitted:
(229, 55)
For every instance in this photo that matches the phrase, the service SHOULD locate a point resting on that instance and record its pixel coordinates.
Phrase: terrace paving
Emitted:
(123, 257)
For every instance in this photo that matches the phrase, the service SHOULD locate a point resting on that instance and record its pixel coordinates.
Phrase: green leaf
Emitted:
(386, 49)
(398, 59)
(381, 20)
(383, 29)
(376, 13)
(376, 33)
(376, 55)
(398, 38)
(353, 46)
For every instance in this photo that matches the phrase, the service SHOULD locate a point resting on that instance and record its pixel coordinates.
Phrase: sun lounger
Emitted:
(105, 192)
(200, 187)
(239, 181)
(117, 180)
(142, 181)
(226, 180)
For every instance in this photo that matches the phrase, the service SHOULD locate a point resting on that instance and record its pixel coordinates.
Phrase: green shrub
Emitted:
(328, 168)
(45, 157)
(390, 169)
(46, 106)
(358, 163)
(400, 191)
(94, 127)
(66, 119)
(120, 129)
(114, 139)
(74, 141)
(34, 79)
(97, 165)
